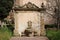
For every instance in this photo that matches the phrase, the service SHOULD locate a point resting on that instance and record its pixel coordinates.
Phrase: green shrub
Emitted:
(11, 28)
(53, 35)
(57, 36)
(5, 33)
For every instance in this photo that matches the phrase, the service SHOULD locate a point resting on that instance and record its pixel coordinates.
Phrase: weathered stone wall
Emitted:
(21, 19)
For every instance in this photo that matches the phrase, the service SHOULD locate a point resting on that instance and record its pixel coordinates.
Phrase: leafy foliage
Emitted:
(53, 35)
(5, 7)
(5, 33)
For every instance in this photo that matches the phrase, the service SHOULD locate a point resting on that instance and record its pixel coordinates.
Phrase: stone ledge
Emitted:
(29, 38)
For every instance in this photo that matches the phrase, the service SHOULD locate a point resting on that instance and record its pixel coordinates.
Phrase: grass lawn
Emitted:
(53, 34)
(5, 33)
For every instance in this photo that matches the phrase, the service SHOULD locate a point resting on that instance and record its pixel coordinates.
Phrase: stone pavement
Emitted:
(29, 38)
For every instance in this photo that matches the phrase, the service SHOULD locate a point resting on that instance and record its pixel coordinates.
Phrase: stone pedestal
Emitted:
(16, 33)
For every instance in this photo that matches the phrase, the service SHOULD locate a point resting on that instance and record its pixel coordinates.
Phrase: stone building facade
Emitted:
(30, 13)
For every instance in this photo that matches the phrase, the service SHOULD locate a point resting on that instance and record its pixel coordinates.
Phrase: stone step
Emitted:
(29, 38)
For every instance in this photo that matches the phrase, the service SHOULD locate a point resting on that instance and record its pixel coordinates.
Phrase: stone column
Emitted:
(15, 26)
(42, 28)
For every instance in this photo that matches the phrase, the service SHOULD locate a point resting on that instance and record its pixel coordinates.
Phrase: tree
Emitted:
(5, 7)
(53, 5)
(57, 12)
